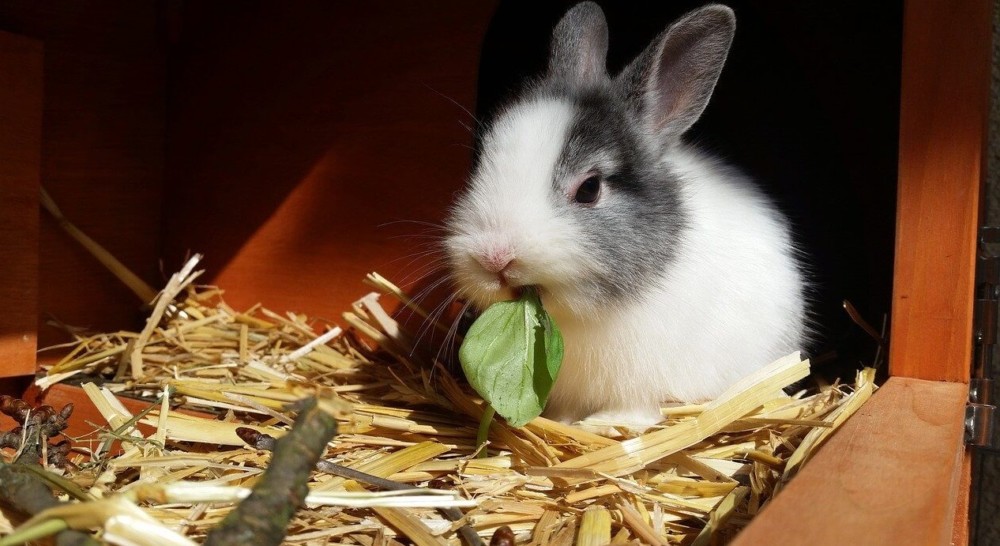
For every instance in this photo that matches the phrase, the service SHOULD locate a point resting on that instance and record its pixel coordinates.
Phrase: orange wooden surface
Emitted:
(300, 131)
(288, 135)
(943, 113)
(102, 151)
(20, 161)
(960, 523)
(945, 87)
(890, 475)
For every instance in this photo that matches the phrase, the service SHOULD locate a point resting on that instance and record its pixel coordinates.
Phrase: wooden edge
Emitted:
(890, 475)
(960, 528)
(942, 136)
(21, 105)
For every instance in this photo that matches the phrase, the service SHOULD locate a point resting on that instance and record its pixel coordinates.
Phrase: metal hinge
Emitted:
(979, 412)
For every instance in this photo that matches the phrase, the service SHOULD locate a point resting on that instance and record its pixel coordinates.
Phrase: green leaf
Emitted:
(511, 356)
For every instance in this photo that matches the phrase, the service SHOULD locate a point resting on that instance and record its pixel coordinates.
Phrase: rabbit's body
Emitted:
(668, 273)
(729, 302)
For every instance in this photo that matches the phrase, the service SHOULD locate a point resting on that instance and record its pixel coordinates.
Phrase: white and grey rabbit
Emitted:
(669, 274)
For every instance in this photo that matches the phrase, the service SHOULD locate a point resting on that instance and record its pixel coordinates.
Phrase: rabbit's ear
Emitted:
(580, 46)
(670, 83)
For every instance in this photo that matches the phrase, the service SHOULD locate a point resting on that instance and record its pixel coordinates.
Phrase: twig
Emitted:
(24, 494)
(24, 489)
(503, 536)
(139, 287)
(263, 517)
(259, 440)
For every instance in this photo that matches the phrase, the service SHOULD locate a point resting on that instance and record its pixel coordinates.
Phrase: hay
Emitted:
(698, 478)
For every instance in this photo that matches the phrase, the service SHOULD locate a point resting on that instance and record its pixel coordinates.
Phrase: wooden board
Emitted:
(305, 136)
(102, 152)
(20, 163)
(890, 475)
(963, 503)
(945, 88)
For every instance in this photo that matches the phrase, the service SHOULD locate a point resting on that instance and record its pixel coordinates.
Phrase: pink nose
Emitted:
(495, 260)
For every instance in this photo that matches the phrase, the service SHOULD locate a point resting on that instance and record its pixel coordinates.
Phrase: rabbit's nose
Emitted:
(495, 260)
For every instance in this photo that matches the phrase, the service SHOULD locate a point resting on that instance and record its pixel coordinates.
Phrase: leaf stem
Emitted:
(484, 429)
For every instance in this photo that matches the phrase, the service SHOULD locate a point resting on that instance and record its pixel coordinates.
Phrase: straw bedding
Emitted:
(696, 479)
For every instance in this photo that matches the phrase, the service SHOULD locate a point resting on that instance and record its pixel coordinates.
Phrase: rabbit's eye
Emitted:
(589, 191)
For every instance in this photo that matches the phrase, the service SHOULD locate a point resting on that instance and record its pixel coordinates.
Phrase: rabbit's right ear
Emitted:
(671, 82)
(579, 47)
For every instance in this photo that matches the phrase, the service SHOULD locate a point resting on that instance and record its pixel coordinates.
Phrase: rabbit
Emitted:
(669, 274)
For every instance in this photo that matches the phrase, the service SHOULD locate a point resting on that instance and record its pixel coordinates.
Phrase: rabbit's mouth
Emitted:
(511, 278)
(518, 291)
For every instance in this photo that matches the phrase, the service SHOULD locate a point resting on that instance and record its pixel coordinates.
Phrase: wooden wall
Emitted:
(20, 151)
(297, 131)
(102, 151)
(944, 107)
(276, 138)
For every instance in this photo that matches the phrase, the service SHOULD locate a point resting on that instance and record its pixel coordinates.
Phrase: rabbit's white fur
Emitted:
(670, 276)
(509, 205)
(730, 302)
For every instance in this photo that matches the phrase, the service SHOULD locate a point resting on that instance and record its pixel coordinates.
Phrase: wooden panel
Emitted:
(300, 131)
(891, 475)
(20, 161)
(961, 522)
(945, 85)
(102, 151)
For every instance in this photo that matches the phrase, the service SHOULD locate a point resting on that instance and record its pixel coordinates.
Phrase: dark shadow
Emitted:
(345, 113)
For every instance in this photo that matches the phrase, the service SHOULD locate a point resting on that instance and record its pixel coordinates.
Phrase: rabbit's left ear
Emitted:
(579, 46)
(671, 82)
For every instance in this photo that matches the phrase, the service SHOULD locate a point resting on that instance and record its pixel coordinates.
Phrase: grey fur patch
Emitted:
(580, 45)
(622, 129)
(672, 80)
(633, 236)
